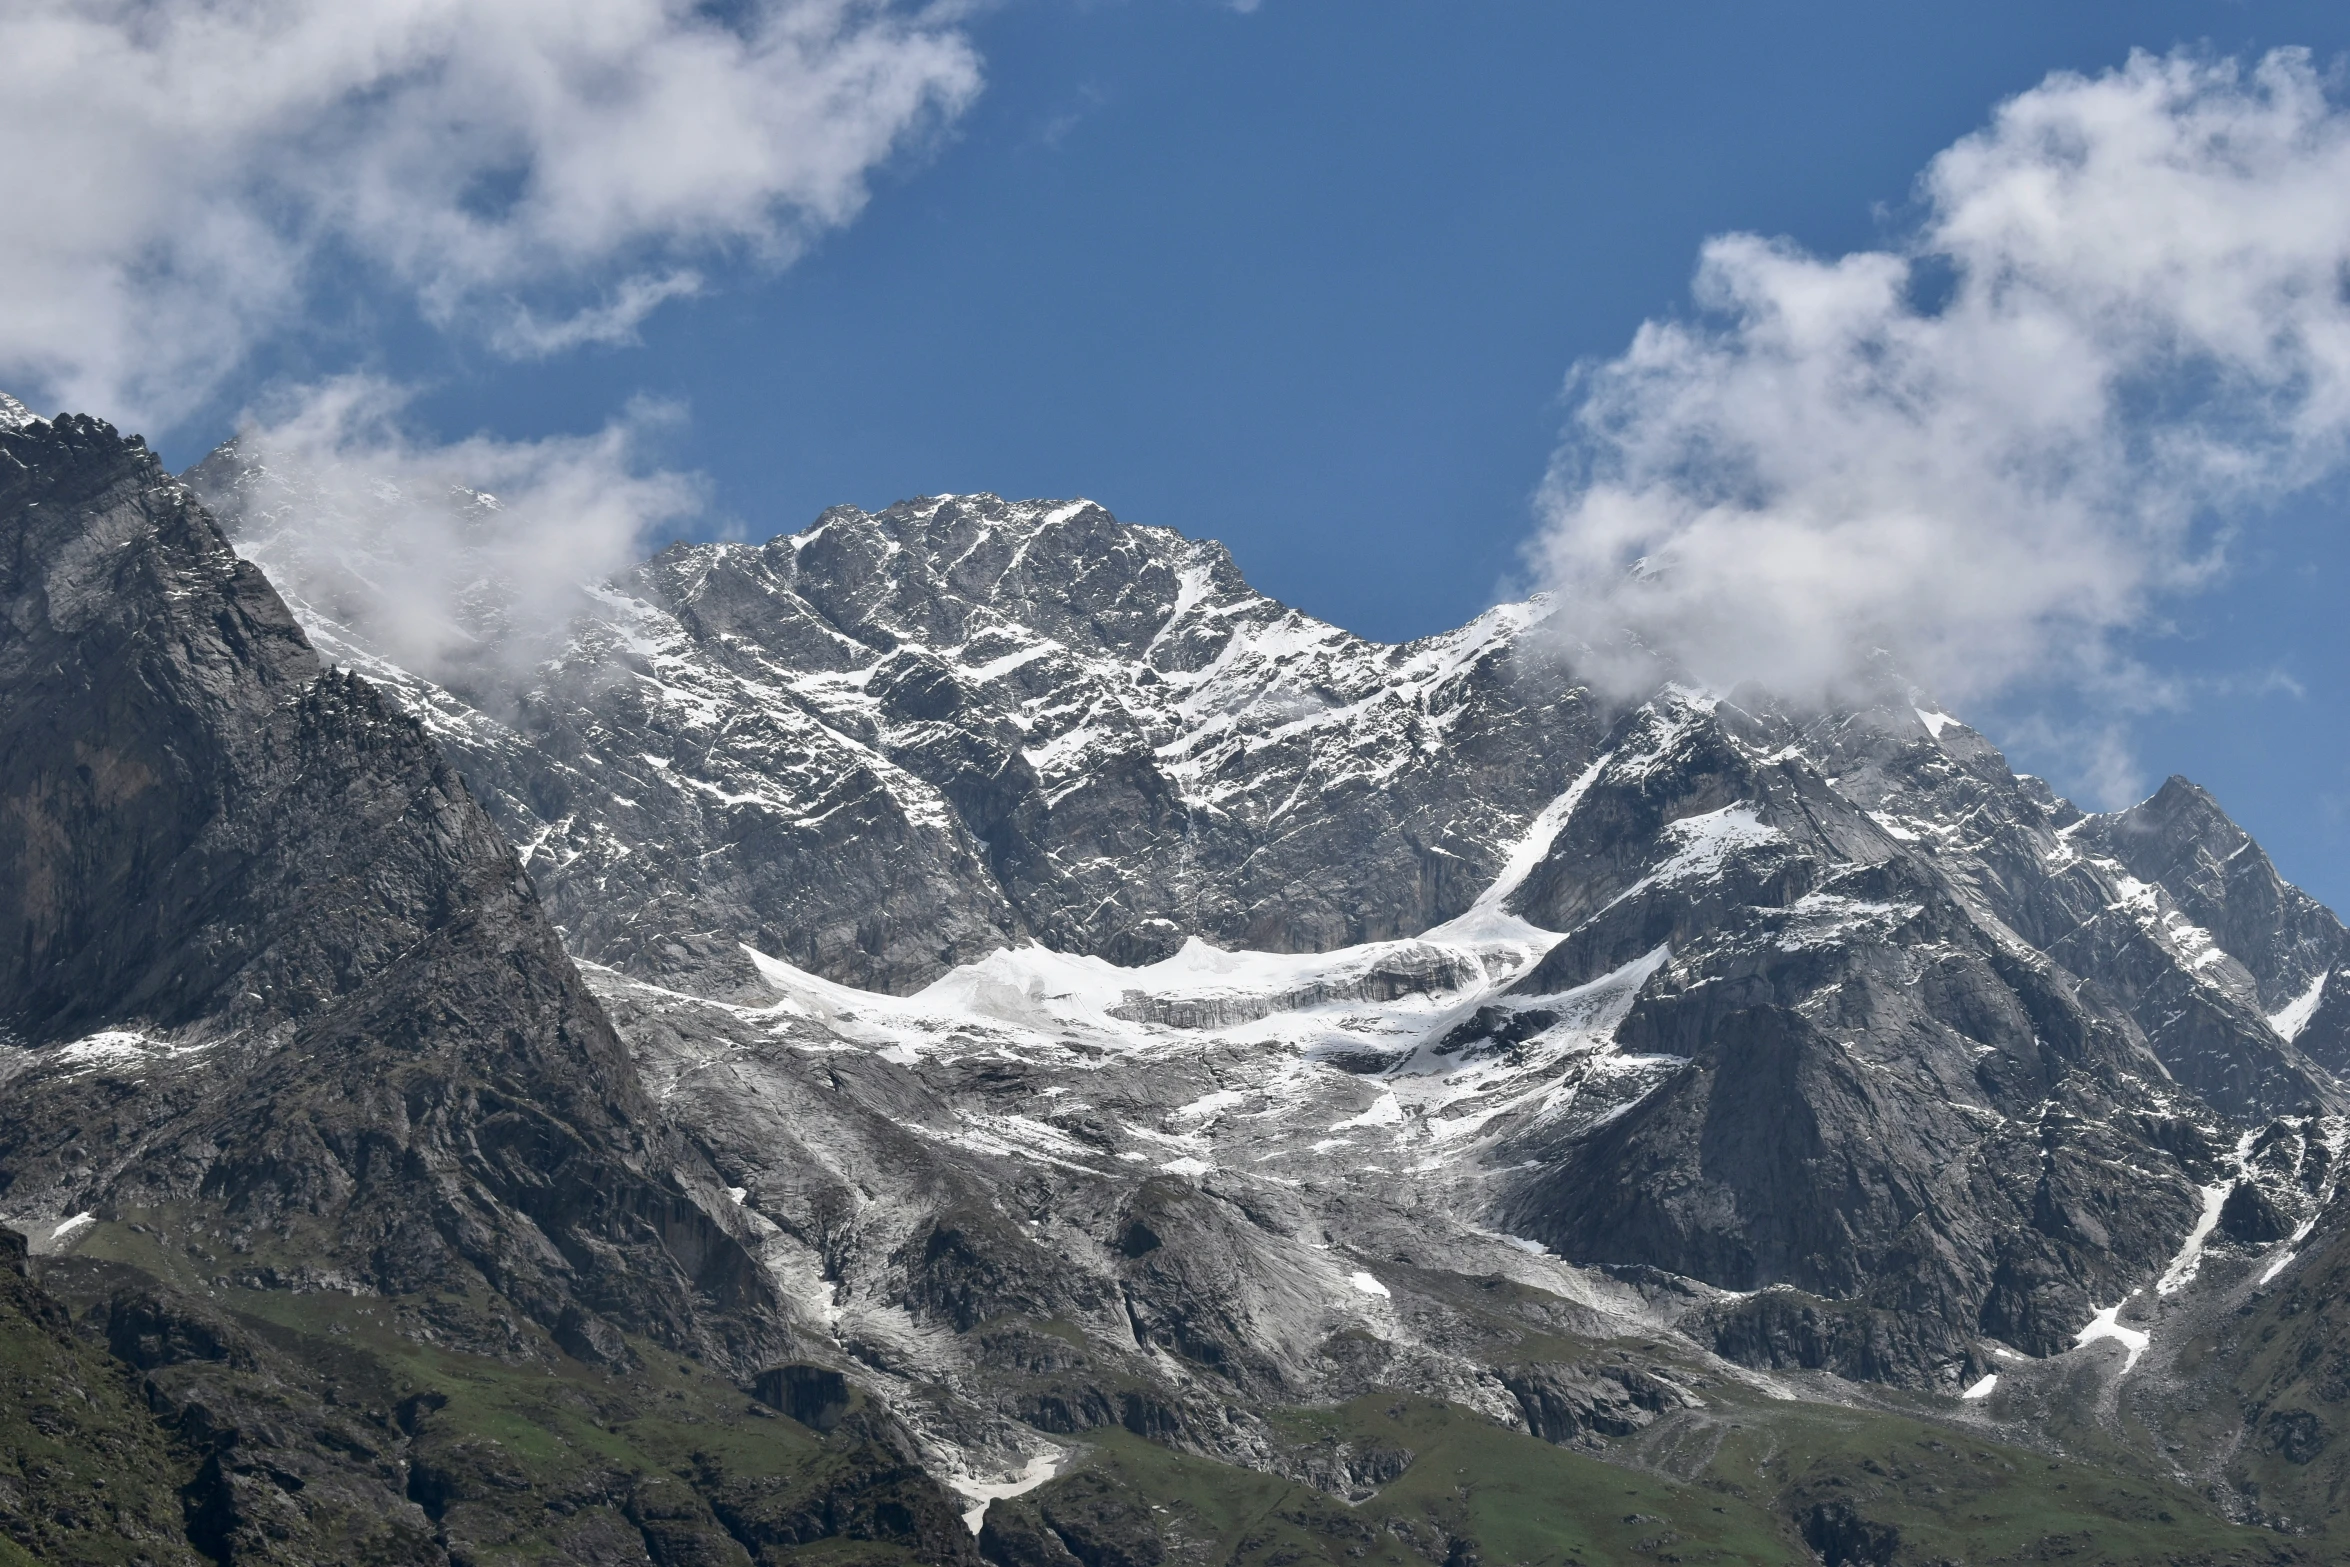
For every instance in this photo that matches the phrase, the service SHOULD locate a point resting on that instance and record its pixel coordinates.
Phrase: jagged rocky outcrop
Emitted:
(1865, 1083)
(242, 881)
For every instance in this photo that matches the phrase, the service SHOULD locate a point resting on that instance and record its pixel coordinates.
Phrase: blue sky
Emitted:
(1310, 279)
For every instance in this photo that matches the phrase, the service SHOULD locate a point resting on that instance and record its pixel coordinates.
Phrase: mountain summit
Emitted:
(983, 1002)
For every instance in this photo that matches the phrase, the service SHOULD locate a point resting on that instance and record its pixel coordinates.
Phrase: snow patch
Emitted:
(1530, 850)
(72, 1228)
(1365, 1284)
(1387, 1110)
(2294, 1016)
(1191, 589)
(1934, 721)
(2183, 1267)
(2106, 1324)
(997, 668)
(1893, 827)
(1984, 1388)
(1703, 842)
(2194, 947)
(1034, 1473)
(120, 1048)
(1208, 1105)
(1697, 697)
(2278, 1266)
(1827, 919)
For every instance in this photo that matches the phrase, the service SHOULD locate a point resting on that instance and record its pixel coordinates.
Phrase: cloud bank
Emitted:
(466, 563)
(179, 173)
(2121, 322)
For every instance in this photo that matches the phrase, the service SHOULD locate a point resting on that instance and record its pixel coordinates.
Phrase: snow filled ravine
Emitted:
(1357, 1053)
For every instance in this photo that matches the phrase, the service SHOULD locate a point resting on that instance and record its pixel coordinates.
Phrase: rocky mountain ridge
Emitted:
(893, 742)
(982, 998)
(1105, 717)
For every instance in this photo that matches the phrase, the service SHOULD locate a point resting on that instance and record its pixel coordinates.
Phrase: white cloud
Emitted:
(175, 174)
(2120, 323)
(463, 562)
(614, 320)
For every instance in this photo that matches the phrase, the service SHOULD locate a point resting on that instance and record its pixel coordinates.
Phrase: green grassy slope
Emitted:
(540, 1458)
(86, 1474)
(533, 1458)
(1767, 1484)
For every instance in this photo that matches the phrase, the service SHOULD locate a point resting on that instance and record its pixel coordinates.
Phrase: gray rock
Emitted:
(283, 1023)
(318, 1001)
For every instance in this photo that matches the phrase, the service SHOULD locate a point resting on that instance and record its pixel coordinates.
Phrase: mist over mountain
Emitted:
(965, 1032)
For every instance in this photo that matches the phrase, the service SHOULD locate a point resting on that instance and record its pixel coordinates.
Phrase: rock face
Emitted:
(1918, 1045)
(243, 882)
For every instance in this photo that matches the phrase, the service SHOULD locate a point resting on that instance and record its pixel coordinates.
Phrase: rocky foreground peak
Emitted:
(284, 1019)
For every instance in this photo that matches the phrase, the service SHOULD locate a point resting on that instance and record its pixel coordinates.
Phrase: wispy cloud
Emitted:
(612, 320)
(178, 172)
(1054, 129)
(2121, 323)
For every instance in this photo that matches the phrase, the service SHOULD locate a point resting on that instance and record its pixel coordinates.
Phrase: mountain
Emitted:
(1969, 1039)
(984, 1004)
